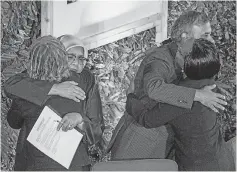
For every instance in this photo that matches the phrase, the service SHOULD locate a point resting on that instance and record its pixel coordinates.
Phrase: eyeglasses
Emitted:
(73, 57)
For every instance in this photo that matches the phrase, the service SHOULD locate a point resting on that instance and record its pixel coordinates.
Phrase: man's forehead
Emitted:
(202, 29)
(199, 31)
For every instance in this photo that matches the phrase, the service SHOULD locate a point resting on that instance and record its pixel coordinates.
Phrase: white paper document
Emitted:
(58, 145)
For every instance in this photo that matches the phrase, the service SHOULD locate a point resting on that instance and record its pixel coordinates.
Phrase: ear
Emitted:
(184, 36)
(186, 46)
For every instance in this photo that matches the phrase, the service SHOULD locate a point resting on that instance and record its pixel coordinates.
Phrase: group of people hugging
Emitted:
(171, 108)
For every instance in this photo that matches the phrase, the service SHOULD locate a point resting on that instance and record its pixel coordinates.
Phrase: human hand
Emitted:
(81, 126)
(69, 121)
(68, 89)
(210, 99)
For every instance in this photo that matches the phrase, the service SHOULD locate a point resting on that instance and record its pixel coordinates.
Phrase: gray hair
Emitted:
(185, 23)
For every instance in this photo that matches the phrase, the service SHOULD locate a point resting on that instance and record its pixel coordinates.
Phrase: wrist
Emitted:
(81, 126)
(80, 119)
(53, 90)
(197, 96)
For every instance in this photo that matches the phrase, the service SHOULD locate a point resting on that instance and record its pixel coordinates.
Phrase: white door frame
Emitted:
(158, 20)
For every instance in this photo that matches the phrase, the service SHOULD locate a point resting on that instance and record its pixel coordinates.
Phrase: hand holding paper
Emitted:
(69, 121)
(45, 137)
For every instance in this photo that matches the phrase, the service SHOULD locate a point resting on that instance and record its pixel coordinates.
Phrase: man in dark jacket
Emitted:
(198, 140)
(155, 77)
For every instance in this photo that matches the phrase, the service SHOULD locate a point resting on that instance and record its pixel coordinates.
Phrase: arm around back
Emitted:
(157, 78)
(22, 86)
(150, 114)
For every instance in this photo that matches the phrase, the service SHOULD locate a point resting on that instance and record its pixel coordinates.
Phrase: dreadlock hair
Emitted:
(48, 60)
(185, 23)
(202, 62)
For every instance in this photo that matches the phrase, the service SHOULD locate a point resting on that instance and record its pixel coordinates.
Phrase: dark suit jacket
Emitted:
(154, 78)
(198, 140)
(23, 114)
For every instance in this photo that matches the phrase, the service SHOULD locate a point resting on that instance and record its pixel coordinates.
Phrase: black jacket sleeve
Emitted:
(151, 115)
(93, 118)
(14, 115)
(21, 86)
(95, 122)
(19, 110)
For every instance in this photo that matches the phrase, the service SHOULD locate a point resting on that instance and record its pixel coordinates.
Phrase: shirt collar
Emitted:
(198, 83)
(173, 47)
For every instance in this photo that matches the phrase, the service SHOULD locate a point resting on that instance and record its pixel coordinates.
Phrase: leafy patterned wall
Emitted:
(114, 64)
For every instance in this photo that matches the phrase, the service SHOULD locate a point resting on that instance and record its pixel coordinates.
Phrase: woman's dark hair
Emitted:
(202, 62)
(48, 59)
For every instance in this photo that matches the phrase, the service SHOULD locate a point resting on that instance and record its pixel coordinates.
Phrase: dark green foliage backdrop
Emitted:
(20, 25)
(114, 64)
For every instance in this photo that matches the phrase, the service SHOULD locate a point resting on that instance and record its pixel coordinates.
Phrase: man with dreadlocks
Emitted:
(48, 64)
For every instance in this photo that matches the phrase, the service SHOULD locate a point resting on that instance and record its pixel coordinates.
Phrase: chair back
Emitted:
(137, 165)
